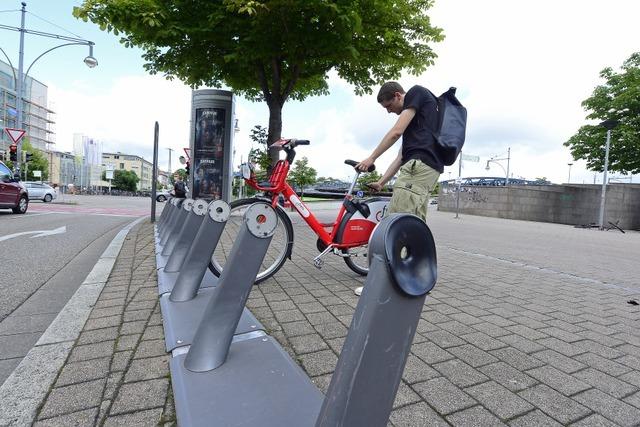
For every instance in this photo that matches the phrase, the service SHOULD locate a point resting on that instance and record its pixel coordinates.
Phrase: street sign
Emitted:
(15, 134)
(470, 158)
(37, 174)
(109, 174)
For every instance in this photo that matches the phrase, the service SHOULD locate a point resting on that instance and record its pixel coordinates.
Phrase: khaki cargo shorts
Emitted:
(412, 188)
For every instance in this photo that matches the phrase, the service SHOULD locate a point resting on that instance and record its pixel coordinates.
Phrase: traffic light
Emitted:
(28, 157)
(186, 167)
(13, 152)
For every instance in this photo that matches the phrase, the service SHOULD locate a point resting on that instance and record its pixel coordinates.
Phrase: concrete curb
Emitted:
(28, 384)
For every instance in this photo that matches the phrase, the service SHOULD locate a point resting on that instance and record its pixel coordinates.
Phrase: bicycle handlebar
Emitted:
(354, 164)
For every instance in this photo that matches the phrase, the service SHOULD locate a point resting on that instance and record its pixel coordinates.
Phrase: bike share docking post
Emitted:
(186, 235)
(171, 222)
(197, 259)
(178, 229)
(168, 207)
(403, 269)
(215, 332)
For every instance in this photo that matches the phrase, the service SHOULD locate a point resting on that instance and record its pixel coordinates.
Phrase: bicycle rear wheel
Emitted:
(279, 249)
(358, 259)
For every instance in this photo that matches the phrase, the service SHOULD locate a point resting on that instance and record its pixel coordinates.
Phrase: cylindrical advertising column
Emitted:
(212, 118)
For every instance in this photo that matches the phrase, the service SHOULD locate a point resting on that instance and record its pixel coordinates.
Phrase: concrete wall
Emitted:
(564, 204)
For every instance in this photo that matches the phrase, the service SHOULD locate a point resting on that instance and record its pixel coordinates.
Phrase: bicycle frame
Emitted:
(357, 234)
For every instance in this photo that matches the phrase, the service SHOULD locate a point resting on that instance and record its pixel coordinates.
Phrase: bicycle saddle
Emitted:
(354, 163)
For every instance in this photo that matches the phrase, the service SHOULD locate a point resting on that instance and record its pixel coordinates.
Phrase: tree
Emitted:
(123, 180)
(182, 172)
(617, 99)
(273, 50)
(38, 162)
(302, 174)
(259, 155)
(367, 178)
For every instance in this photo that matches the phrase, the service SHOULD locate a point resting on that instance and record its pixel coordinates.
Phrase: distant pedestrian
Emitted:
(179, 189)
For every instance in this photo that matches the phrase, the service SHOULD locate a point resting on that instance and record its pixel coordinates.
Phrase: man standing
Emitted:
(418, 160)
(179, 189)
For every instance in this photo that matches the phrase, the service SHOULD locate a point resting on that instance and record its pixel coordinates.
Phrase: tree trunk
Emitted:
(275, 130)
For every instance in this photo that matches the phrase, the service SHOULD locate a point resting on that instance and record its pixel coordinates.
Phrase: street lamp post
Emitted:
(495, 160)
(569, 179)
(19, 80)
(608, 125)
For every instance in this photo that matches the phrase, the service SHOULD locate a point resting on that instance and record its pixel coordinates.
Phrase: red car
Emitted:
(13, 194)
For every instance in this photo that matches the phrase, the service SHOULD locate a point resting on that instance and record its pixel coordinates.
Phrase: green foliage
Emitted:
(273, 50)
(38, 162)
(368, 178)
(302, 174)
(123, 180)
(259, 155)
(618, 99)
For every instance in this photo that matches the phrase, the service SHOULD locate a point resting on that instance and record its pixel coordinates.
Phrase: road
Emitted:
(39, 272)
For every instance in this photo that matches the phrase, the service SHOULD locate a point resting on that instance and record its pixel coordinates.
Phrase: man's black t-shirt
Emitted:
(418, 141)
(179, 190)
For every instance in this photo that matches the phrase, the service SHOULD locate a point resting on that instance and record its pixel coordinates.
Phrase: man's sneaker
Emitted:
(358, 290)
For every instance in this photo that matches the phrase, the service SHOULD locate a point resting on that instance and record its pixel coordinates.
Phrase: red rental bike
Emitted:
(347, 236)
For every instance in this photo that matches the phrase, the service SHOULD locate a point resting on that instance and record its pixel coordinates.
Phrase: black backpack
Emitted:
(179, 189)
(452, 125)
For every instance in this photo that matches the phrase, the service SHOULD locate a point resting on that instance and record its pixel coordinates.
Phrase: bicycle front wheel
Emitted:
(279, 248)
(358, 259)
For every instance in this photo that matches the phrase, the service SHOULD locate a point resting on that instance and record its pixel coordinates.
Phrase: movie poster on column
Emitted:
(209, 148)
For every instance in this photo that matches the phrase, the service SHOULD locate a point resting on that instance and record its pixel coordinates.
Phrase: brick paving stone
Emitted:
(473, 355)
(521, 343)
(559, 381)
(609, 407)
(153, 333)
(633, 400)
(76, 372)
(534, 419)
(321, 362)
(415, 370)
(605, 365)
(474, 417)
(135, 327)
(445, 339)
(483, 341)
(606, 383)
(511, 378)
(559, 361)
(293, 329)
(331, 330)
(150, 348)
(554, 404)
(307, 343)
(128, 397)
(460, 373)
(146, 369)
(594, 420)
(430, 352)
(289, 316)
(127, 342)
(86, 417)
(142, 418)
(121, 360)
(91, 351)
(443, 395)
(132, 315)
(632, 378)
(491, 329)
(97, 335)
(72, 398)
(416, 415)
(325, 317)
(499, 400)
(405, 396)
(562, 347)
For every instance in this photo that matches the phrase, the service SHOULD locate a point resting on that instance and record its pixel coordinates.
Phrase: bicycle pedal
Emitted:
(318, 263)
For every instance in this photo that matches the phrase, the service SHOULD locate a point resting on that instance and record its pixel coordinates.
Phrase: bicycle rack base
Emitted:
(259, 385)
(166, 281)
(181, 319)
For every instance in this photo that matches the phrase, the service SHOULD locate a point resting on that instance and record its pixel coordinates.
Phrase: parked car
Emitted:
(13, 193)
(40, 191)
(162, 195)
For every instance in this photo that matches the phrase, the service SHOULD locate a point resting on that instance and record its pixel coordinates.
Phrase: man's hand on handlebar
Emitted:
(364, 165)
(375, 186)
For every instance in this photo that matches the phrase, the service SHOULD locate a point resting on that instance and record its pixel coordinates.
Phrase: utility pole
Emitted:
(169, 168)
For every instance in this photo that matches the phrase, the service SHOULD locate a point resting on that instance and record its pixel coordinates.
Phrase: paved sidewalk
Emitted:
(528, 325)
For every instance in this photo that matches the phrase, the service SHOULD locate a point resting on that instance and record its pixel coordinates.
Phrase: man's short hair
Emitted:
(388, 90)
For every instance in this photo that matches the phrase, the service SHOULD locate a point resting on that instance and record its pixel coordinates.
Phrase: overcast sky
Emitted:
(521, 69)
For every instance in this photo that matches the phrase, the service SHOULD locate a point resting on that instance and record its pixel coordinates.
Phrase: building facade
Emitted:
(38, 119)
(119, 161)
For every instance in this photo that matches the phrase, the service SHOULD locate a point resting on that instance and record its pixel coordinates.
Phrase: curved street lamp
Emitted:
(19, 80)
(496, 161)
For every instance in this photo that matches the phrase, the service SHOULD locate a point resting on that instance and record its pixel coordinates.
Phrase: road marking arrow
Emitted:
(38, 233)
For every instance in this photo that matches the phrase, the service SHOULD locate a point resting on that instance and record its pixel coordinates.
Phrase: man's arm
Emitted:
(389, 139)
(393, 168)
